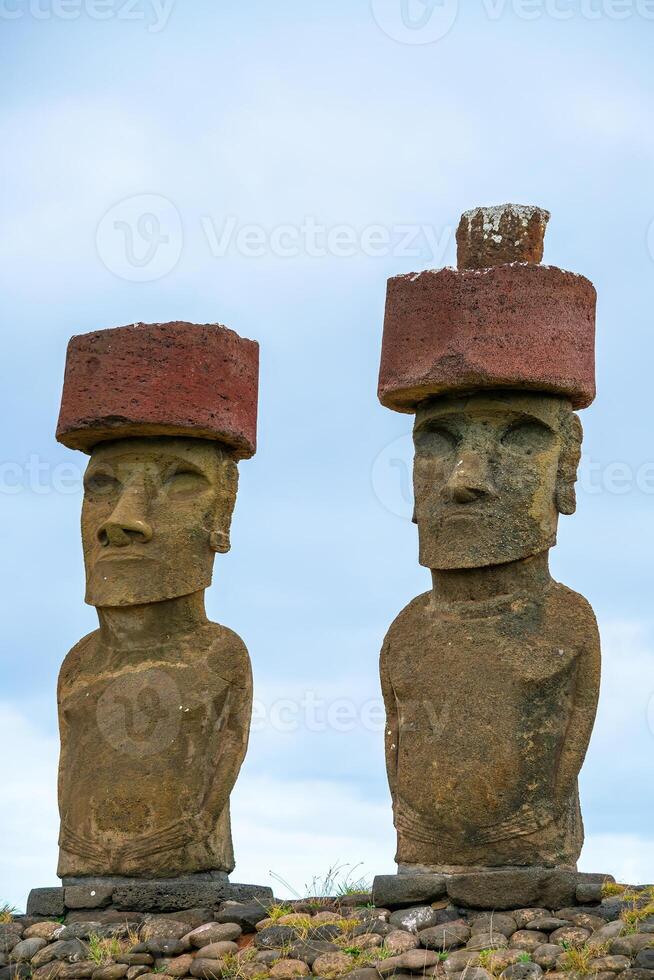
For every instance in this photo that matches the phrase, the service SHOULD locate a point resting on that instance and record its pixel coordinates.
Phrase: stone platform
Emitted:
(489, 888)
(602, 931)
(206, 891)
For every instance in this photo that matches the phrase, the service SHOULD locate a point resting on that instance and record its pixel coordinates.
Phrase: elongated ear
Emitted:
(573, 433)
(223, 506)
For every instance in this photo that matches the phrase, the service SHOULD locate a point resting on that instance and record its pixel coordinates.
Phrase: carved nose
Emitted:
(123, 532)
(470, 479)
(126, 525)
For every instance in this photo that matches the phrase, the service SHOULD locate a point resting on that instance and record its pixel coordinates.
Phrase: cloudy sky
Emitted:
(268, 166)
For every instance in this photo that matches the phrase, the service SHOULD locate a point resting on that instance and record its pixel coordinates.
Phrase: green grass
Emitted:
(338, 882)
(104, 950)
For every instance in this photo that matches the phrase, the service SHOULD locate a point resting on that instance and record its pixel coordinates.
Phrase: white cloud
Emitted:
(628, 857)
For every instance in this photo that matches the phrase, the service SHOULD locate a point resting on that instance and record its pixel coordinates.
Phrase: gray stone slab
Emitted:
(46, 901)
(402, 891)
(512, 888)
(171, 895)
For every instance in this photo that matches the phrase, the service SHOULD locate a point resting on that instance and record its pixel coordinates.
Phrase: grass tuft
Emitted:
(103, 950)
(7, 913)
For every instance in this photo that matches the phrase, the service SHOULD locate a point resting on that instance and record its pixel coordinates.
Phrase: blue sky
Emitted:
(293, 156)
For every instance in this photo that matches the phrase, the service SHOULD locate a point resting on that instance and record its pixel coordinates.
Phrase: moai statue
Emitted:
(154, 706)
(491, 678)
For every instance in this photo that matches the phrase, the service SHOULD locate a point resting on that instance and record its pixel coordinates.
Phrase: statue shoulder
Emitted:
(228, 655)
(573, 613)
(76, 661)
(407, 623)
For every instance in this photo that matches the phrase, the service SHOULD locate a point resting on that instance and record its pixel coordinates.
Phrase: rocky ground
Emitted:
(611, 934)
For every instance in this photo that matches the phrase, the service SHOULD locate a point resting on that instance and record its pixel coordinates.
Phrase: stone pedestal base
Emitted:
(490, 888)
(207, 890)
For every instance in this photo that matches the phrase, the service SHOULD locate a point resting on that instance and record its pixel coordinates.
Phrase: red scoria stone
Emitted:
(515, 325)
(148, 379)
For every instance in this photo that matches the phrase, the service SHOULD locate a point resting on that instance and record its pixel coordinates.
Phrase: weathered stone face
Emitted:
(151, 507)
(491, 473)
(491, 679)
(155, 705)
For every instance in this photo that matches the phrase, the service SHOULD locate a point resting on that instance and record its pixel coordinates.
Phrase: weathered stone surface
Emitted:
(213, 932)
(134, 972)
(546, 955)
(10, 934)
(414, 919)
(632, 945)
(208, 969)
(26, 949)
(46, 901)
(644, 959)
(524, 916)
(503, 889)
(87, 896)
(571, 935)
(589, 891)
(491, 922)
(152, 379)
(245, 914)
(397, 891)
(496, 452)
(286, 969)
(42, 930)
(307, 950)
(112, 971)
(500, 234)
(149, 756)
(331, 965)
(447, 936)
(400, 941)
(614, 964)
(448, 331)
(522, 971)
(487, 940)
(274, 936)
(67, 950)
(528, 939)
(460, 960)
(548, 923)
(173, 896)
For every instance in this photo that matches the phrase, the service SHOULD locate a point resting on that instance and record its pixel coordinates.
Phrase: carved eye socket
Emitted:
(435, 441)
(528, 438)
(184, 483)
(99, 483)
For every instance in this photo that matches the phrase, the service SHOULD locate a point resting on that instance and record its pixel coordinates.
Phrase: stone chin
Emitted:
(137, 582)
(469, 544)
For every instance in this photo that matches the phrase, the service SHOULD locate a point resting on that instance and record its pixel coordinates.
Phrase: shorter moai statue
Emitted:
(491, 678)
(155, 705)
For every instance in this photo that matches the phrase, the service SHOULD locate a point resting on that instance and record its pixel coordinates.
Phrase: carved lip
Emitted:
(117, 556)
(451, 515)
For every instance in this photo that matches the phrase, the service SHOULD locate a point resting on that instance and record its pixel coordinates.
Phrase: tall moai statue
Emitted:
(491, 678)
(155, 705)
